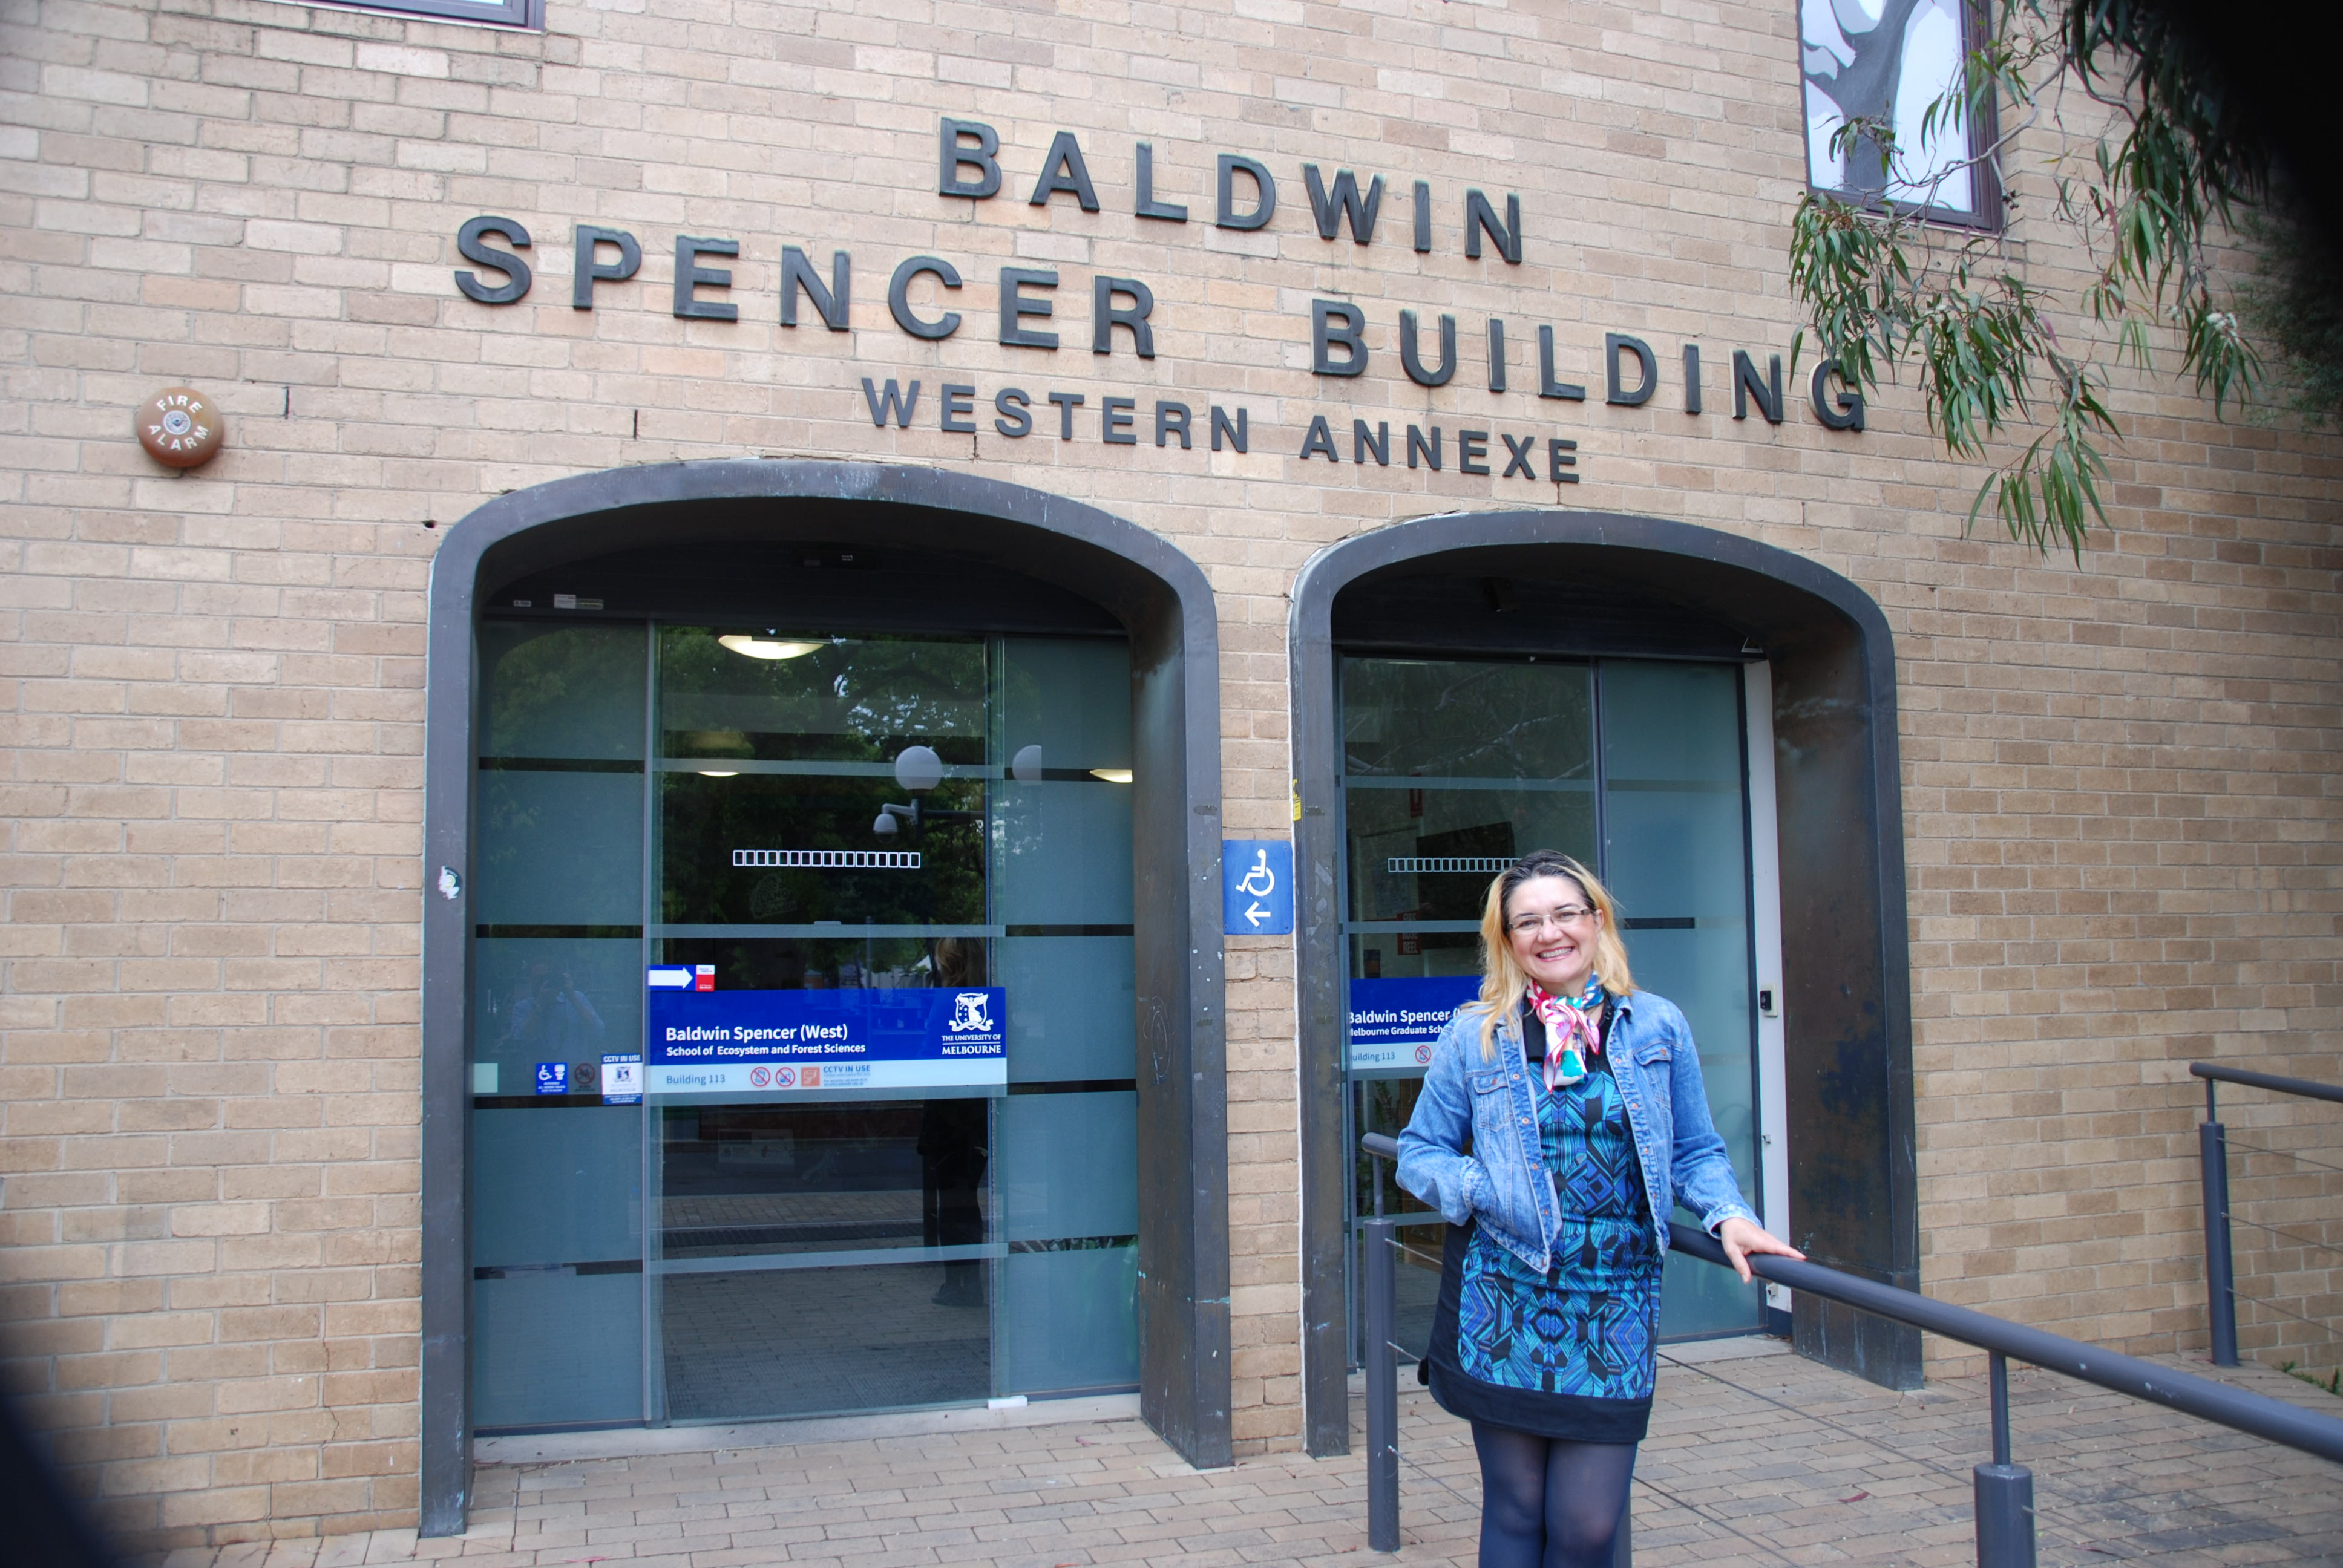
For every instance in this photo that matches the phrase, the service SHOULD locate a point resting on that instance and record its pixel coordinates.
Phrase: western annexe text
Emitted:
(1118, 423)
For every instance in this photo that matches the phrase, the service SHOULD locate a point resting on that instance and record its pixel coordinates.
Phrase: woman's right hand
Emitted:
(1744, 1240)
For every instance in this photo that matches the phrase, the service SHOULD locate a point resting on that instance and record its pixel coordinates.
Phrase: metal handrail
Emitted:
(2213, 1185)
(2004, 1489)
(2235, 1408)
(2309, 1089)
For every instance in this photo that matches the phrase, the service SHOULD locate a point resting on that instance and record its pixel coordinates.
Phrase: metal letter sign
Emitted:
(1257, 887)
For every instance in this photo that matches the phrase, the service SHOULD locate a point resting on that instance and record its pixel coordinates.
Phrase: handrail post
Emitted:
(2004, 1490)
(2220, 1273)
(1383, 1385)
(1998, 1375)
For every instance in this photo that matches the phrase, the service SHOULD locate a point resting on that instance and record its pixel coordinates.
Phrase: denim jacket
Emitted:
(1504, 1182)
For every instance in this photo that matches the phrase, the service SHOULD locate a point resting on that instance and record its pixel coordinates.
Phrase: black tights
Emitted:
(1545, 1504)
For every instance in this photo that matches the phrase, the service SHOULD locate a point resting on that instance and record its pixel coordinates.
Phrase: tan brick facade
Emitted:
(2118, 775)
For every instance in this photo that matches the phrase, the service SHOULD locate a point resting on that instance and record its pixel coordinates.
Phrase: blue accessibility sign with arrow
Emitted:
(1257, 887)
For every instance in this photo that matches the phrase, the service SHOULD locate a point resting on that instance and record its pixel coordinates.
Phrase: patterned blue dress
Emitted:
(1568, 1353)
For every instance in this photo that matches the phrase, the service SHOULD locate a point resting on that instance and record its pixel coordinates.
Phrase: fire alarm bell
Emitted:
(179, 428)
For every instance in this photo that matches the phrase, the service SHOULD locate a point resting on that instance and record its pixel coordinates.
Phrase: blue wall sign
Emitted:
(553, 1077)
(1257, 887)
(746, 1041)
(1394, 1022)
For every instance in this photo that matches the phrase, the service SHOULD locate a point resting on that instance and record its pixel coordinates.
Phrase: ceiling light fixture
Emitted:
(1112, 775)
(765, 647)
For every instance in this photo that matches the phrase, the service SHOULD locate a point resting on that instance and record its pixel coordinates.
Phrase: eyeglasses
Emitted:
(1531, 925)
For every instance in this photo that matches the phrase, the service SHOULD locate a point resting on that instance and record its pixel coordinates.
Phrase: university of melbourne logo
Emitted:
(971, 1013)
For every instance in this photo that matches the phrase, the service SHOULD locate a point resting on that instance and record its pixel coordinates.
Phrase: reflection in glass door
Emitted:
(790, 1251)
(1453, 768)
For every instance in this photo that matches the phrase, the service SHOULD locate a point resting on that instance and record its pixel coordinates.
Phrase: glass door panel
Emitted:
(554, 1173)
(569, 692)
(1462, 720)
(1076, 1016)
(1070, 1181)
(916, 1246)
(1453, 768)
(546, 999)
(817, 1258)
(808, 1250)
(561, 844)
(823, 1251)
(1676, 858)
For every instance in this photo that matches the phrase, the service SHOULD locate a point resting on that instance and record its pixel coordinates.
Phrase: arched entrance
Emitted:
(973, 607)
(1607, 613)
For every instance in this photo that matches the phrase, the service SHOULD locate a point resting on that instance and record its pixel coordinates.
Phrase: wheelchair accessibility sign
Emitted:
(1257, 887)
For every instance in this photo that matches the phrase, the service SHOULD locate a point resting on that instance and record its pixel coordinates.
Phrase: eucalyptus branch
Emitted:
(1882, 283)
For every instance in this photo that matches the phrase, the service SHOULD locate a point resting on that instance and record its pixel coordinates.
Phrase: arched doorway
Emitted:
(1577, 615)
(771, 650)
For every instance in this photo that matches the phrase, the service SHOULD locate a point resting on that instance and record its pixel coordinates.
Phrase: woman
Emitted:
(1562, 1118)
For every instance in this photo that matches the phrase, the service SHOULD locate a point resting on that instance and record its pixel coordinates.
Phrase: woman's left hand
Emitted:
(1745, 1239)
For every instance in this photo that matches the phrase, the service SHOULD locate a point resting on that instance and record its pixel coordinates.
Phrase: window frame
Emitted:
(515, 16)
(1984, 129)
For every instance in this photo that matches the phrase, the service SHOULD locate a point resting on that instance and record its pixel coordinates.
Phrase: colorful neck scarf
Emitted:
(1568, 1026)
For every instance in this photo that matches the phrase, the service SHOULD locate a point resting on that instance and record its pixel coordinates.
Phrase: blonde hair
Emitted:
(1503, 981)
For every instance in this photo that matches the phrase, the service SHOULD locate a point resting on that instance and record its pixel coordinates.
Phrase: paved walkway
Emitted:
(1767, 1460)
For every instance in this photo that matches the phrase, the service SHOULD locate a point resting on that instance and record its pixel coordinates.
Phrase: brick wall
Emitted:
(2118, 774)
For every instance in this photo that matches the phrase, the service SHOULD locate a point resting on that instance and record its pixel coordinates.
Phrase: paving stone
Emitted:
(1778, 1461)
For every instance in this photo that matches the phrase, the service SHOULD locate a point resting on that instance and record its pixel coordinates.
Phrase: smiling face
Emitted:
(1552, 925)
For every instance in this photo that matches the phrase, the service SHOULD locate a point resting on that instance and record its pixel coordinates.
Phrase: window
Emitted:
(1886, 61)
(530, 14)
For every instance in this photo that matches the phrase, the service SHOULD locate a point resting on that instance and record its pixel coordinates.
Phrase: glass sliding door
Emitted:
(1676, 856)
(1453, 768)
(791, 1243)
(821, 1250)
